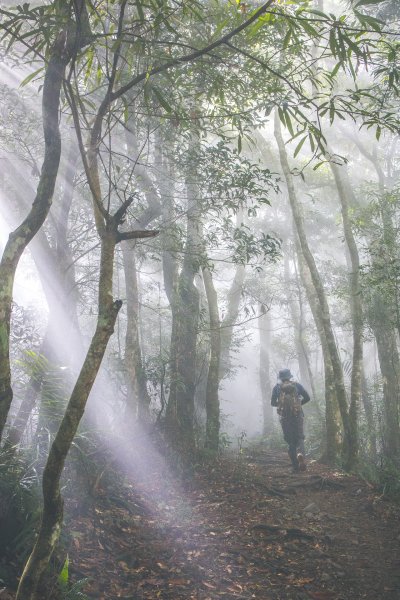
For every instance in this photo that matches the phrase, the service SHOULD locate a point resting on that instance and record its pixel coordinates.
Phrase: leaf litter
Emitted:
(227, 534)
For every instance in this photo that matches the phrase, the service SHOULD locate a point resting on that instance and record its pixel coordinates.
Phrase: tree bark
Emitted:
(380, 316)
(185, 317)
(319, 289)
(344, 190)
(22, 235)
(138, 399)
(212, 392)
(52, 515)
(332, 416)
(57, 275)
(264, 328)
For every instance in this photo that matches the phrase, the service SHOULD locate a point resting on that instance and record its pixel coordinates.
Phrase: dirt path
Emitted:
(246, 528)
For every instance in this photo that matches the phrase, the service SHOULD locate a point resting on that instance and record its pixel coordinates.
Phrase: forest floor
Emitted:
(246, 527)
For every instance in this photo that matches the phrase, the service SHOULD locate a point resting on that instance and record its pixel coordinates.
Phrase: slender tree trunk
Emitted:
(138, 399)
(332, 415)
(52, 515)
(57, 276)
(298, 327)
(380, 316)
(344, 190)
(320, 294)
(264, 328)
(302, 341)
(233, 303)
(389, 362)
(212, 392)
(369, 416)
(20, 237)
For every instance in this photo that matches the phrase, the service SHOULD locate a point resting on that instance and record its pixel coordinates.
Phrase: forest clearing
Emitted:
(199, 299)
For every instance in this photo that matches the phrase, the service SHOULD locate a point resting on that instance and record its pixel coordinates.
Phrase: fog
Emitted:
(57, 279)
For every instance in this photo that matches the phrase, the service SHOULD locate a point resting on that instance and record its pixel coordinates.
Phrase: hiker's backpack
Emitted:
(289, 404)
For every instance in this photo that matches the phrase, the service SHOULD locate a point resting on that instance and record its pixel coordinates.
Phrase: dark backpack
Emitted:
(289, 404)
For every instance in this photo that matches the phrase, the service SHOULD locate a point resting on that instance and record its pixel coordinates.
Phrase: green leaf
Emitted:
(63, 577)
(287, 39)
(299, 146)
(164, 103)
(332, 42)
(289, 124)
(30, 77)
(140, 10)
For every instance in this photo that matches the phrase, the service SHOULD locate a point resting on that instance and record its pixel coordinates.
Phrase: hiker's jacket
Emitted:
(305, 397)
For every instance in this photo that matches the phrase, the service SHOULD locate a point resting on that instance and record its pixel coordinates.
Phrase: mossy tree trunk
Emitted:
(185, 320)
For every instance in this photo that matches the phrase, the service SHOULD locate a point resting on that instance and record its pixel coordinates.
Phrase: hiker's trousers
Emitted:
(293, 432)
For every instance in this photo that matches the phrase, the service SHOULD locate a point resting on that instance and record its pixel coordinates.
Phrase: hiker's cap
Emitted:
(284, 374)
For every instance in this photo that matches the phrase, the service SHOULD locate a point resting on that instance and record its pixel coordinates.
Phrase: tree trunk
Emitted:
(297, 325)
(20, 237)
(233, 303)
(380, 317)
(319, 290)
(264, 328)
(212, 392)
(332, 416)
(369, 416)
(389, 362)
(57, 275)
(138, 399)
(185, 319)
(52, 515)
(344, 190)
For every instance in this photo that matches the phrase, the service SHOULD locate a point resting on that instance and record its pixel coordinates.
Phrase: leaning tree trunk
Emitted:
(302, 340)
(212, 391)
(332, 416)
(57, 275)
(344, 190)
(20, 237)
(52, 515)
(319, 290)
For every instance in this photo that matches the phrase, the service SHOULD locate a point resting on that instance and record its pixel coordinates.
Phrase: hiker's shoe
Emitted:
(302, 462)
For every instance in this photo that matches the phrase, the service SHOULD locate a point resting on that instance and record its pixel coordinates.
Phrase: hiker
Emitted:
(288, 396)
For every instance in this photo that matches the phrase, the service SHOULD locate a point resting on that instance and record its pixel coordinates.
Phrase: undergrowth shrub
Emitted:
(20, 507)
